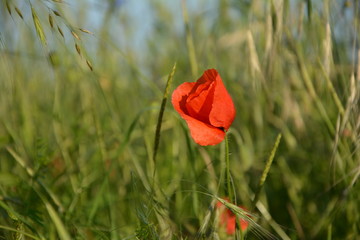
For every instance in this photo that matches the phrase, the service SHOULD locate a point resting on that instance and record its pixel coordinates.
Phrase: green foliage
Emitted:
(77, 136)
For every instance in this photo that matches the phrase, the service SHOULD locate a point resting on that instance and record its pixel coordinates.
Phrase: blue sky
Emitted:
(139, 14)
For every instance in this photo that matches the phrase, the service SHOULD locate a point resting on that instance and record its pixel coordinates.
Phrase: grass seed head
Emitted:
(19, 12)
(89, 65)
(86, 31)
(75, 35)
(51, 21)
(78, 49)
(38, 27)
(56, 13)
(8, 7)
(60, 31)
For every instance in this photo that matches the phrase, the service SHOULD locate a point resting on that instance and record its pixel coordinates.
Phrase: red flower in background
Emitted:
(228, 219)
(206, 107)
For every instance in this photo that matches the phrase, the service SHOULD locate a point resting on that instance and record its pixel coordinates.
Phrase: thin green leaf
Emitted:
(63, 234)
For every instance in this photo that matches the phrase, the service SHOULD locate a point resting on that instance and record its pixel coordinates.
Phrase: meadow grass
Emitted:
(79, 112)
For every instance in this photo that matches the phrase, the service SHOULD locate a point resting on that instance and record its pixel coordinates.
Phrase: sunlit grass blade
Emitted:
(271, 221)
(61, 229)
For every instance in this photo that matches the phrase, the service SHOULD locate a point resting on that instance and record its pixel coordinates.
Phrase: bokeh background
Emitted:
(81, 85)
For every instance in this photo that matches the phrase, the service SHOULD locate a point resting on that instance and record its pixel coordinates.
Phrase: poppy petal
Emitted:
(199, 106)
(231, 225)
(228, 218)
(179, 97)
(243, 224)
(223, 110)
(202, 133)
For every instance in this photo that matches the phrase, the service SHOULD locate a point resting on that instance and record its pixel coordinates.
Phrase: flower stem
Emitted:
(228, 176)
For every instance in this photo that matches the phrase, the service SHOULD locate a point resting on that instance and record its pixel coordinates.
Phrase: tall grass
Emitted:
(79, 109)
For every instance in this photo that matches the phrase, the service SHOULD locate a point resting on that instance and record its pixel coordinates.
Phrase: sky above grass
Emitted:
(141, 16)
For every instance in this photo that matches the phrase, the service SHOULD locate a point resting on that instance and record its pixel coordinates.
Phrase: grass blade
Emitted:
(63, 234)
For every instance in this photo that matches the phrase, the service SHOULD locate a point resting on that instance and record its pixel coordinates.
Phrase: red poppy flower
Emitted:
(206, 107)
(228, 219)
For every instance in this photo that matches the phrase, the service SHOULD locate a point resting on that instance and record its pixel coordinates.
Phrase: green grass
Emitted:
(77, 146)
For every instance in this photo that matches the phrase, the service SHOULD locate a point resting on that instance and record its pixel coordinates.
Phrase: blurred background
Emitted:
(81, 85)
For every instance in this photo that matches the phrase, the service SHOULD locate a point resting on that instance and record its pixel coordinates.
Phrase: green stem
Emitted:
(189, 41)
(228, 176)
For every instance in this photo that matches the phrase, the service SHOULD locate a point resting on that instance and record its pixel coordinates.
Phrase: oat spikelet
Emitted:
(60, 31)
(56, 13)
(51, 21)
(89, 64)
(78, 49)
(8, 7)
(38, 27)
(75, 35)
(86, 31)
(19, 12)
